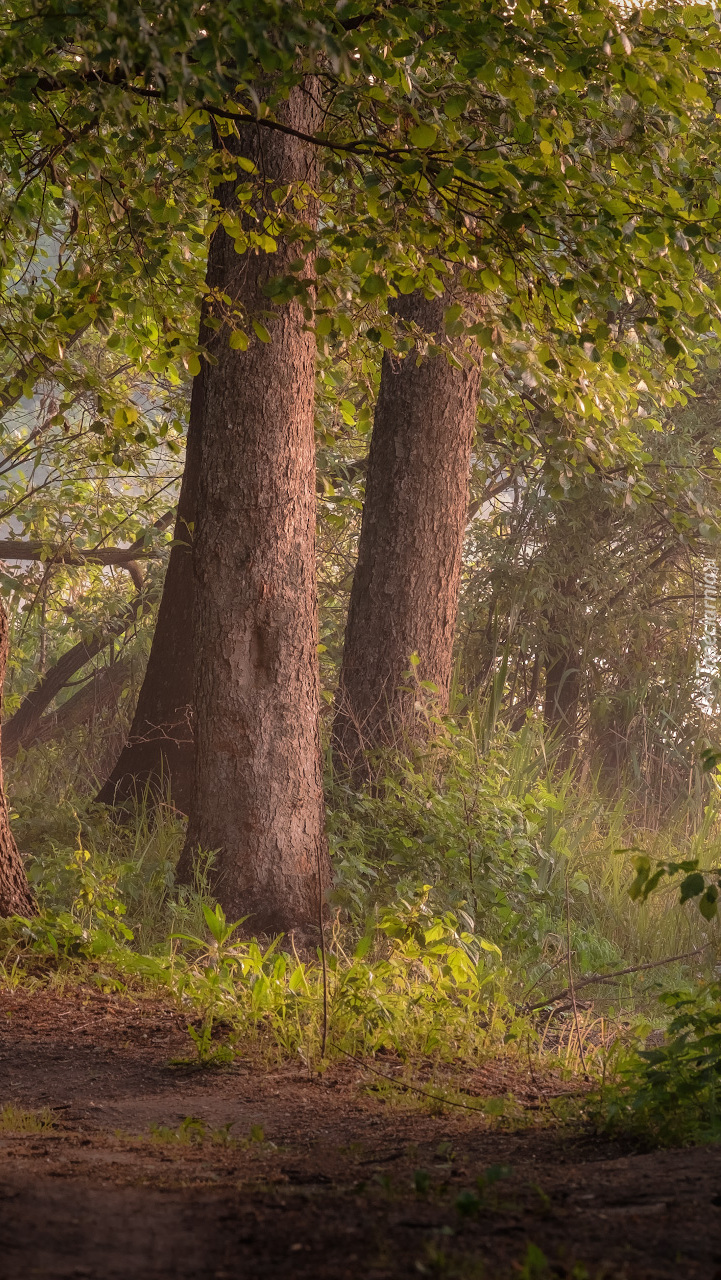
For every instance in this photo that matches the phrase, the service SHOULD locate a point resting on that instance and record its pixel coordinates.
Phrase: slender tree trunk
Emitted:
(562, 668)
(524, 704)
(15, 895)
(101, 692)
(562, 696)
(159, 750)
(258, 800)
(404, 598)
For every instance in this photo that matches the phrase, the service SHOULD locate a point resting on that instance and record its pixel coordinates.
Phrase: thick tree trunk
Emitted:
(404, 598)
(159, 750)
(258, 800)
(15, 895)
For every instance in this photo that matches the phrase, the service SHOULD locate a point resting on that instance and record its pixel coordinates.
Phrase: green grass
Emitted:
(13, 1120)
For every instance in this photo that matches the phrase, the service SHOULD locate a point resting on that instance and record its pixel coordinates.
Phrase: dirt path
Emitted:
(154, 1171)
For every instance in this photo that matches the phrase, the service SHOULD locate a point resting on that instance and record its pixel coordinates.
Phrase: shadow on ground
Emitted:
(152, 1171)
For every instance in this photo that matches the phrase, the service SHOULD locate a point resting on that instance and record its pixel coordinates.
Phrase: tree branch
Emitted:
(100, 691)
(595, 978)
(22, 727)
(120, 556)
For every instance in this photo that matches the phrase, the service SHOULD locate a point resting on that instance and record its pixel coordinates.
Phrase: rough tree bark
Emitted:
(159, 750)
(15, 895)
(258, 800)
(404, 598)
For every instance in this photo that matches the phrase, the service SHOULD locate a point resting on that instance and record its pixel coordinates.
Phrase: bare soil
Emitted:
(152, 1170)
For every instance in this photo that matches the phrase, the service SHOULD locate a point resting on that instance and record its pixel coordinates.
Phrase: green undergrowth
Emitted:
(417, 984)
(196, 1132)
(461, 876)
(670, 1094)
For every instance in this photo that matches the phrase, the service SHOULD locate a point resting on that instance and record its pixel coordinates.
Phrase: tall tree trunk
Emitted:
(159, 750)
(561, 699)
(15, 895)
(404, 598)
(562, 669)
(21, 729)
(258, 800)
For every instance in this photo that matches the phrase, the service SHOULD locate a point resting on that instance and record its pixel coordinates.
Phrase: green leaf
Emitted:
(260, 331)
(423, 135)
(215, 921)
(692, 886)
(359, 261)
(490, 946)
(455, 105)
(452, 314)
(708, 903)
(523, 132)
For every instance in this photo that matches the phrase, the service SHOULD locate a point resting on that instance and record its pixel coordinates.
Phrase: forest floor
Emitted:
(146, 1169)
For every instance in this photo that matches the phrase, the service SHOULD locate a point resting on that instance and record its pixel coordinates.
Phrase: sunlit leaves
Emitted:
(564, 176)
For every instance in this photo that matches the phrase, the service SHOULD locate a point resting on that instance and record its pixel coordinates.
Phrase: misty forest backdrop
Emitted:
(360, 393)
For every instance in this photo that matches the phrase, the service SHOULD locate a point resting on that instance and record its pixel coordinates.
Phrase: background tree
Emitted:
(405, 589)
(159, 754)
(592, 602)
(15, 894)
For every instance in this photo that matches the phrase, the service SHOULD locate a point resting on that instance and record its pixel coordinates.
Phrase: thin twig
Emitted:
(434, 1097)
(413, 1088)
(549, 969)
(324, 959)
(596, 978)
(570, 980)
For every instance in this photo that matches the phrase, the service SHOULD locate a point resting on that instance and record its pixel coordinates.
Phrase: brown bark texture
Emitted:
(15, 895)
(404, 598)
(258, 801)
(159, 752)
